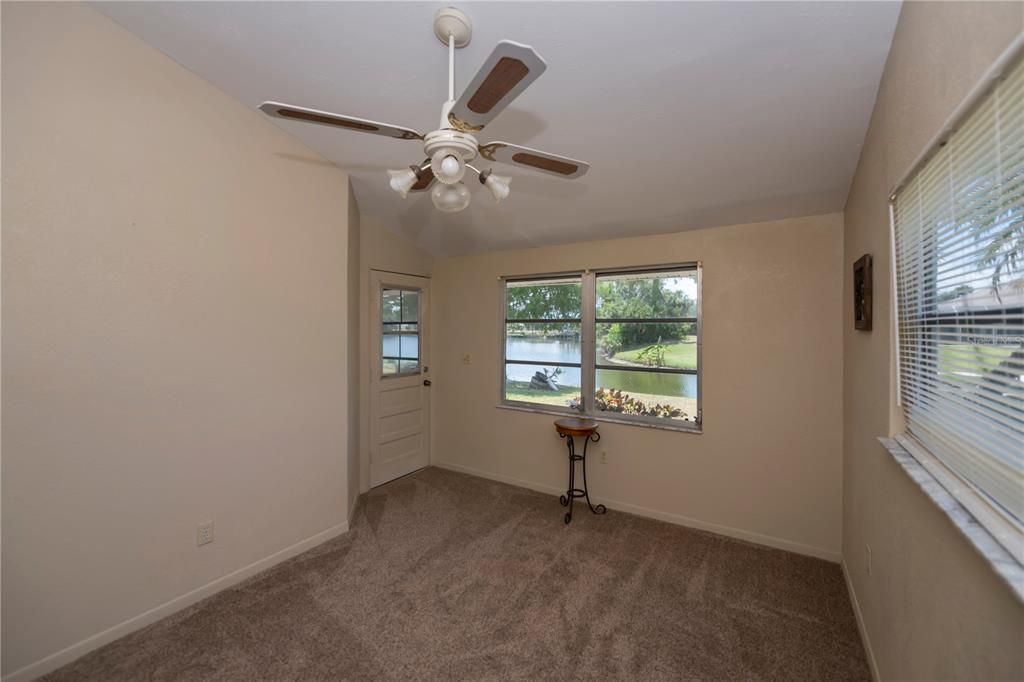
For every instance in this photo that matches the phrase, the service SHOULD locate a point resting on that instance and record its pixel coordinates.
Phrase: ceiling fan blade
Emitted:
(506, 73)
(425, 181)
(292, 113)
(562, 166)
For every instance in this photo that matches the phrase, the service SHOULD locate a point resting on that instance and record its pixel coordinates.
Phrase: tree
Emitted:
(640, 298)
(543, 301)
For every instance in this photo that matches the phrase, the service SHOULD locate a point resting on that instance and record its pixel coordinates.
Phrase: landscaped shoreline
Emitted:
(520, 391)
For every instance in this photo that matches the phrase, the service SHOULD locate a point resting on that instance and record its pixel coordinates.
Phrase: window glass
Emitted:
(544, 299)
(646, 345)
(400, 335)
(543, 342)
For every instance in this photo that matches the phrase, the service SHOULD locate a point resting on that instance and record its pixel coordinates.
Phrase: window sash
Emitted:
(588, 364)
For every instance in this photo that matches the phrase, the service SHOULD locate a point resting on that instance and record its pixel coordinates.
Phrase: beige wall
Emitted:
(355, 345)
(931, 607)
(380, 249)
(175, 295)
(768, 465)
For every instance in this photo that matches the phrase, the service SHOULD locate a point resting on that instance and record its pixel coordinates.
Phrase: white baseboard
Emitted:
(739, 534)
(860, 624)
(65, 656)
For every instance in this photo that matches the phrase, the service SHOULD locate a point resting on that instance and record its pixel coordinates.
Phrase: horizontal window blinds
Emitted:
(959, 240)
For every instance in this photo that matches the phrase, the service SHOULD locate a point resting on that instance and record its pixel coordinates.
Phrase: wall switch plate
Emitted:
(204, 535)
(467, 359)
(604, 457)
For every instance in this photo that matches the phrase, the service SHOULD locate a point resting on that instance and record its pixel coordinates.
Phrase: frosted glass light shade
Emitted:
(498, 186)
(448, 166)
(402, 180)
(450, 198)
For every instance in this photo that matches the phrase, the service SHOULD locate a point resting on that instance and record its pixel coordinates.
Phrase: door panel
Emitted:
(399, 400)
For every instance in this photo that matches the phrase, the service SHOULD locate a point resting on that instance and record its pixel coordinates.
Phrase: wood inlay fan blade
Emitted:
(561, 166)
(504, 75)
(290, 112)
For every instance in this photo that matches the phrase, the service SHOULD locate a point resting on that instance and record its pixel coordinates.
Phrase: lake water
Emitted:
(564, 350)
(568, 350)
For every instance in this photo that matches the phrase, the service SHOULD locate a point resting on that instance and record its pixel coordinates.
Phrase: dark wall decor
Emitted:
(862, 293)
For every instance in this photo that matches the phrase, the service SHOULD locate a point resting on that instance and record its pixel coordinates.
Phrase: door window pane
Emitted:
(400, 335)
(410, 306)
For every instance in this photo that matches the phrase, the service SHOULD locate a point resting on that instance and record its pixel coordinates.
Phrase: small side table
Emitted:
(568, 429)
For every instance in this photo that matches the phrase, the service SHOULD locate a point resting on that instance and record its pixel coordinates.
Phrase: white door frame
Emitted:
(399, 406)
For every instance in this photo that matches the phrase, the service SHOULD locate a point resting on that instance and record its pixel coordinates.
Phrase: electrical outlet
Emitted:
(868, 553)
(205, 534)
(604, 457)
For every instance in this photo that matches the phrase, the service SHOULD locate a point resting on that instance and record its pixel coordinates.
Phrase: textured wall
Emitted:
(932, 607)
(175, 312)
(768, 465)
(355, 346)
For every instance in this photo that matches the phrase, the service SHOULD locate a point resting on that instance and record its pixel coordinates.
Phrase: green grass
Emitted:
(521, 391)
(679, 355)
(965, 357)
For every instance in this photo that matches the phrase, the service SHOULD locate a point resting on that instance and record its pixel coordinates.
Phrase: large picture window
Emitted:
(958, 232)
(621, 345)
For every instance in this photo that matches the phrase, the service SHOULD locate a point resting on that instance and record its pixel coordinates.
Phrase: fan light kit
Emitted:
(450, 149)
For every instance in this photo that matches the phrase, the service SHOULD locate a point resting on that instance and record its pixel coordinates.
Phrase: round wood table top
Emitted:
(574, 426)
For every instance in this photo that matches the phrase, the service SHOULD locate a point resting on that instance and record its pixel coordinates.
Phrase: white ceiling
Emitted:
(691, 114)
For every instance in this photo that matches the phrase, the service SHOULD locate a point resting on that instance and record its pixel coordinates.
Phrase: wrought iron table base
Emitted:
(573, 492)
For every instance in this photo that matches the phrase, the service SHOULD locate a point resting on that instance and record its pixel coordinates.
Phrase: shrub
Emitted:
(614, 400)
(652, 356)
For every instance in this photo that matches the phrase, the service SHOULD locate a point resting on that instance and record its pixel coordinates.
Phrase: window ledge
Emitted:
(998, 557)
(600, 418)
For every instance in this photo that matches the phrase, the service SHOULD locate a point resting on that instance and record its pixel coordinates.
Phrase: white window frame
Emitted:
(588, 348)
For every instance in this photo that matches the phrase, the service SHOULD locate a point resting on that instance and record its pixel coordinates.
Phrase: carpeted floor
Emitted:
(447, 576)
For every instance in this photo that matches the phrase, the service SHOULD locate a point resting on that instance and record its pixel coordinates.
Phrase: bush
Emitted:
(652, 356)
(614, 400)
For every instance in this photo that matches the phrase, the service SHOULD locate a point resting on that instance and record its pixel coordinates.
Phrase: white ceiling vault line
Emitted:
(699, 114)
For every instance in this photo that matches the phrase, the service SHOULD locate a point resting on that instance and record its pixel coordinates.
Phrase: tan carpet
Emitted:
(447, 576)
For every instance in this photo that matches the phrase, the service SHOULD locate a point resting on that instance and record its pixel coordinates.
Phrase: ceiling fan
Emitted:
(450, 149)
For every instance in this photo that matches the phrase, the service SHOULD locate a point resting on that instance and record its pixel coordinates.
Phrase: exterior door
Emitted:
(399, 377)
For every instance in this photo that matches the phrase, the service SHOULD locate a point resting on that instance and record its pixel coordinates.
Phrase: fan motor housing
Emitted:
(464, 143)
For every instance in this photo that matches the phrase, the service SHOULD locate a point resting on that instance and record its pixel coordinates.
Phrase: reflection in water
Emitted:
(568, 350)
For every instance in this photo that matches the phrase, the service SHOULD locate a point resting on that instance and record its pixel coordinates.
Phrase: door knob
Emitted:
(426, 382)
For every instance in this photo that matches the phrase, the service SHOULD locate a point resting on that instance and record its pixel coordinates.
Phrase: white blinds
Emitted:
(959, 240)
